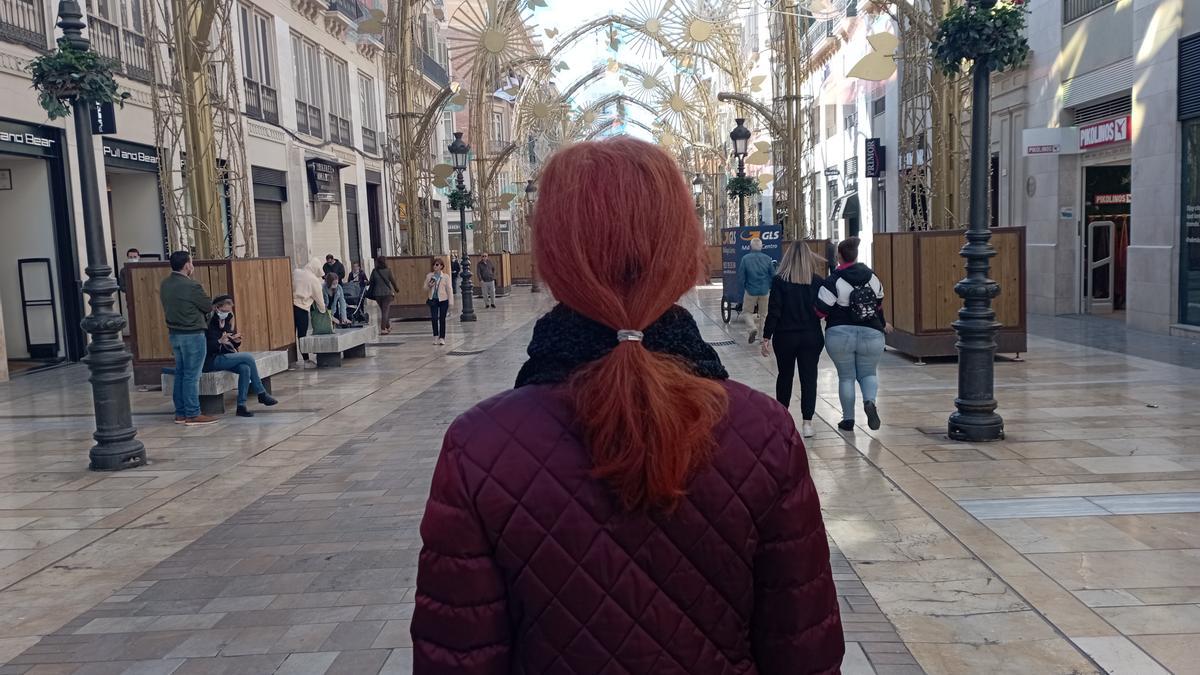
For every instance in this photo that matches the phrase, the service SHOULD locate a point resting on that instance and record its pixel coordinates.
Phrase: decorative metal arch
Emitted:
(583, 30)
(601, 128)
(601, 103)
(597, 73)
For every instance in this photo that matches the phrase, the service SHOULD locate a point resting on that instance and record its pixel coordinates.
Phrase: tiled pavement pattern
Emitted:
(317, 576)
(1071, 547)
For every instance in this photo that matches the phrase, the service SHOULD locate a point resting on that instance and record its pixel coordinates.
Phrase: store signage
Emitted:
(104, 118)
(1066, 213)
(1050, 141)
(1044, 149)
(1104, 133)
(832, 172)
(129, 155)
(324, 180)
(1191, 223)
(1125, 198)
(28, 139)
(874, 165)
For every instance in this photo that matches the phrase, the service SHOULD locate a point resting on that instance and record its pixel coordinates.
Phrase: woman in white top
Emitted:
(307, 291)
(441, 295)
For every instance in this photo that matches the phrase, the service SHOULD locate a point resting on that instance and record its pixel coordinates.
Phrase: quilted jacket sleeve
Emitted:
(460, 624)
(796, 626)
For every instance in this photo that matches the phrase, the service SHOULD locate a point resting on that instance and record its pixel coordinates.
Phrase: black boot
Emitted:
(266, 399)
(243, 412)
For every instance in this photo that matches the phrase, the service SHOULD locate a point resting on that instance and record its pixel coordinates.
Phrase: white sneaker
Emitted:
(442, 342)
(435, 341)
(806, 429)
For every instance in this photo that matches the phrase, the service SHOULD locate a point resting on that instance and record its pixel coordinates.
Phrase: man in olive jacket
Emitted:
(186, 307)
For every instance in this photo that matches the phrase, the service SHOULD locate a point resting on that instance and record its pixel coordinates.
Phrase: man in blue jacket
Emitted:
(754, 273)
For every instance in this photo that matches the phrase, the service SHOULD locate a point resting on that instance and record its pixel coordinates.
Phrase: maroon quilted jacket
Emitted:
(529, 566)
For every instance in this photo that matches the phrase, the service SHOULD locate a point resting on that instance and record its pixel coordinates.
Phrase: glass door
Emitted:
(1100, 267)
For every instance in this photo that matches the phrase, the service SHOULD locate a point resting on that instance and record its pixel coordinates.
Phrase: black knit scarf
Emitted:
(565, 340)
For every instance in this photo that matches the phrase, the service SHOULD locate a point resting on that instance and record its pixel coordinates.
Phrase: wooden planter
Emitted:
(409, 272)
(919, 271)
(715, 266)
(522, 268)
(261, 290)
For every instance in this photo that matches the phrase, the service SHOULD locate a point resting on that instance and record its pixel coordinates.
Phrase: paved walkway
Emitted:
(287, 543)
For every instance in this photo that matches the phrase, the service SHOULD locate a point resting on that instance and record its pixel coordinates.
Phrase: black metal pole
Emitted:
(741, 197)
(107, 359)
(468, 297)
(976, 419)
(535, 286)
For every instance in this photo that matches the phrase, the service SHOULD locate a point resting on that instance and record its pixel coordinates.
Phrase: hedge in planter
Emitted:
(68, 73)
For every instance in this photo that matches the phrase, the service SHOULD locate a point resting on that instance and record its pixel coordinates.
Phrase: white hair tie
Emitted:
(629, 336)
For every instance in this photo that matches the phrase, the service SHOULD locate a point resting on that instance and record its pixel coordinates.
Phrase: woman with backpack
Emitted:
(852, 303)
(793, 329)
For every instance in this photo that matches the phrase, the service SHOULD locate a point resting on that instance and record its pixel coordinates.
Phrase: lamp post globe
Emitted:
(530, 198)
(460, 151)
(697, 186)
(741, 146)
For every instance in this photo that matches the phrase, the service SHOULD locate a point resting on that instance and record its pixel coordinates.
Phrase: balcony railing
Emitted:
(370, 141)
(137, 57)
(1074, 9)
(431, 68)
(308, 120)
(339, 131)
(23, 22)
(106, 39)
(355, 10)
(261, 102)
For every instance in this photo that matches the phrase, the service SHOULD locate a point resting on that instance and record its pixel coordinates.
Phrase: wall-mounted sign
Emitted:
(1050, 141)
(104, 118)
(1125, 198)
(126, 155)
(874, 164)
(832, 172)
(1104, 133)
(28, 139)
(324, 180)
(1066, 213)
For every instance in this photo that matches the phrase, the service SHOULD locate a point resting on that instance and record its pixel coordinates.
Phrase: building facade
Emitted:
(313, 116)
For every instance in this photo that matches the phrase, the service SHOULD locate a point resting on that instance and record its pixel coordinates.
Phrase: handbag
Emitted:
(321, 322)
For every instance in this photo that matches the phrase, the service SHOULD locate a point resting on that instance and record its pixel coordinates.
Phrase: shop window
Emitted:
(1189, 270)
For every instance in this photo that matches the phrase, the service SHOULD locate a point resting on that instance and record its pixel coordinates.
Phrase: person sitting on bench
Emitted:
(224, 343)
(335, 300)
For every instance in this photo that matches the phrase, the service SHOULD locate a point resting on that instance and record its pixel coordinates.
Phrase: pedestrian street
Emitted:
(287, 543)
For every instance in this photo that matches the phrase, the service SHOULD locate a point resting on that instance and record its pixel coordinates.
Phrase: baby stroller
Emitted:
(356, 303)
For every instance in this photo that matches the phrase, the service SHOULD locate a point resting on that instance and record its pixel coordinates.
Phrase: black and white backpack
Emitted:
(863, 303)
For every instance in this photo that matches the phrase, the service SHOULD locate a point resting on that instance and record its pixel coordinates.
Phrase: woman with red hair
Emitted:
(626, 508)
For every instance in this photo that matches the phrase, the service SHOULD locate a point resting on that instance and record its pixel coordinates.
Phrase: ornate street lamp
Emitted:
(116, 446)
(530, 198)
(698, 192)
(741, 147)
(976, 419)
(460, 151)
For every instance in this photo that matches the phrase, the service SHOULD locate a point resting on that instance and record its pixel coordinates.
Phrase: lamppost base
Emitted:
(976, 428)
(535, 288)
(117, 456)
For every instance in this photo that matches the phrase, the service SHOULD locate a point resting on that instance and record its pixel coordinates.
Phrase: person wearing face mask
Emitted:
(224, 343)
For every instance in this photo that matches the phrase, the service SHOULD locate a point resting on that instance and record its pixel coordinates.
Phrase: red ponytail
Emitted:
(617, 240)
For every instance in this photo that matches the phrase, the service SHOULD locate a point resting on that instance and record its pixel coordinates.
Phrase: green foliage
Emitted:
(461, 199)
(67, 73)
(991, 36)
(744, 186)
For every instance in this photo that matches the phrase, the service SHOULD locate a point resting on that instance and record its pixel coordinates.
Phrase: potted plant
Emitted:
(461, 199)
(67, 73)
(988, 33)
(742, 186)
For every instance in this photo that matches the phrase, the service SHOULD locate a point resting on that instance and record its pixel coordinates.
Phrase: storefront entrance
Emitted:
(41, 305)
(1108, 201)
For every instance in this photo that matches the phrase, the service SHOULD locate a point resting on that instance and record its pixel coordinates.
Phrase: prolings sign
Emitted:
(1074, 140)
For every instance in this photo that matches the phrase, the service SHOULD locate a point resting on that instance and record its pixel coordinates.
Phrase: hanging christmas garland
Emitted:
(461, 199)
(743, 186)
(68, 73)
(988, 33)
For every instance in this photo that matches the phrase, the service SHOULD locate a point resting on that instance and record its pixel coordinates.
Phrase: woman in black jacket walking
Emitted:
(793, 329)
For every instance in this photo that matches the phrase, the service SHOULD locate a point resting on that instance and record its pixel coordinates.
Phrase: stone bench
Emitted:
(215, 384)
(348, 342)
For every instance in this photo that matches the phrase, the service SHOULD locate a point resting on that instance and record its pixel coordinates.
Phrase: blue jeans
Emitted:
(247, 372)
(190, 350)
(855, 351)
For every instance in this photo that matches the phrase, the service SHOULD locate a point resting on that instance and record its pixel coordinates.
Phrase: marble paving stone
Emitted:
(1046, 507)
(1060, 535)
(1160, 503)
(1128, 464)
(1121, 569)
(1120, 656)
(1176, 652)
(1154, 620)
